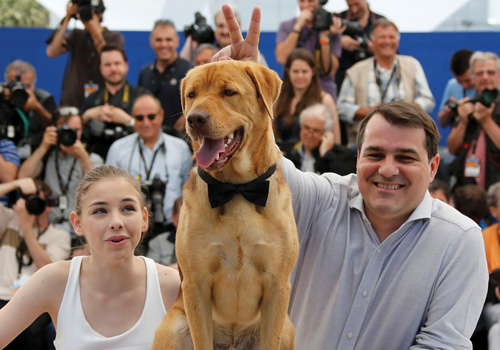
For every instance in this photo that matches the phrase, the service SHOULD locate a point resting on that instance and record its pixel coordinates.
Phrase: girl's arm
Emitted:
(170, 284)
(43, 292)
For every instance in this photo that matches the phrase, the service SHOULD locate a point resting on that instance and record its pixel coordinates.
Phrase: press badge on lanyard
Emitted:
(63, 202)
(472, 167)
(90, 88)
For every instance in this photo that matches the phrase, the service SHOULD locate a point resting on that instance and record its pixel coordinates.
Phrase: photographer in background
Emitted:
(37, 109)
(356, 44)
(460, 86)
(28, 242)
(475, 136)
(385, 77)
(81, 75)
(201, 33)
(162, 162)
(163, 76)
(317, 31)
(106, 113)
(61, 161)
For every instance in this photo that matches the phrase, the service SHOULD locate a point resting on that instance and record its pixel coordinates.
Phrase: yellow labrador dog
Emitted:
(236, 242)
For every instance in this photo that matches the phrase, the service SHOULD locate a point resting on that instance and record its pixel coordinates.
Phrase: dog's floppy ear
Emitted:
(183, 98)
(267, 84)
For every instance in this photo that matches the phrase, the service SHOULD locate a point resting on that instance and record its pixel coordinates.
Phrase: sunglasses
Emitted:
(141, 117)
(68, 111)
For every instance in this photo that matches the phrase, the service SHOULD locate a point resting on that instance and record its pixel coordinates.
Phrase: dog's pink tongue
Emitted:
(209, 149)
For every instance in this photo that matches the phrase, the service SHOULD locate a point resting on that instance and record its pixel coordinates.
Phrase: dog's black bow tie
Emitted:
(255, 191)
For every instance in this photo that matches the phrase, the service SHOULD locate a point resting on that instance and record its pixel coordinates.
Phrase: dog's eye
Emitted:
(228, 92)
(192, 94)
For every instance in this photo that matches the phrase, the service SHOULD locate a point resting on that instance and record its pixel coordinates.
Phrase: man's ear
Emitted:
(77, 223)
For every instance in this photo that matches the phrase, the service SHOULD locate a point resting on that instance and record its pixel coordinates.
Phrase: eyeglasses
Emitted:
(141, 117)
(311, 130)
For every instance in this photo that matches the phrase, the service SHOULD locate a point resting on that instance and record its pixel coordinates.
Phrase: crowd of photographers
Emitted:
(102, 117)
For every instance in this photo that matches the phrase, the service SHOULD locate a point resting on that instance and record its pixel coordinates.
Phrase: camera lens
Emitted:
(66, 136)
(35, 205)
(18, 95)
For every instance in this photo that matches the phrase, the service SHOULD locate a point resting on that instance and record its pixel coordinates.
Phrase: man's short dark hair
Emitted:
(437, 185)
(100, 7)
(107, 48)
(409, 115)
(460, 61)
(471, 201)
(43, 187)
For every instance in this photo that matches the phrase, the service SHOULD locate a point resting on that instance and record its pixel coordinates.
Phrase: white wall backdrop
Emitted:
(409, 16)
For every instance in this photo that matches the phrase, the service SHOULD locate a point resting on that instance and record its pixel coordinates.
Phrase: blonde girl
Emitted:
(110, 299)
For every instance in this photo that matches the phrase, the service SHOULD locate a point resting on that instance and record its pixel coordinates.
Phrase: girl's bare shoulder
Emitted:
(170, 283)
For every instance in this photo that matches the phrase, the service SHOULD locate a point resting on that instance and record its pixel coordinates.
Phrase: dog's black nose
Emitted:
(197, 118)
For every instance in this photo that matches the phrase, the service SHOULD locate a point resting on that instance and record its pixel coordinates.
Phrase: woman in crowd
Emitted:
(301, 88)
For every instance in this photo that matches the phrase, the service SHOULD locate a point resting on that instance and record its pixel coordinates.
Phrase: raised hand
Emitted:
(242, 50)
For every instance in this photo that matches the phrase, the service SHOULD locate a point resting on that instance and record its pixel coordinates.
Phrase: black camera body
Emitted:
(155, 193)
(35, 205)
(18, 92)
(12, 125)
(86, 8)
(486, 98)
(200, 31)
(66, 136)
(323, 20)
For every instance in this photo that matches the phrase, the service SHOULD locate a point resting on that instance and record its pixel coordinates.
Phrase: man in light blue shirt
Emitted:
(150, 153)
(381, 264)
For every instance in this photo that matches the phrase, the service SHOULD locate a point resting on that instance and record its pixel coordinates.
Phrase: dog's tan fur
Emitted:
(235, 259)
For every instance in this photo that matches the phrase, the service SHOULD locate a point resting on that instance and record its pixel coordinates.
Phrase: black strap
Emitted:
(378, 80)
(64, 187)
(146, 169)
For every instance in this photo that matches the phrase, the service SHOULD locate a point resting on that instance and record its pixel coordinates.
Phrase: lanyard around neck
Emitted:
(64, 187)
(378, 80)
(148, 170)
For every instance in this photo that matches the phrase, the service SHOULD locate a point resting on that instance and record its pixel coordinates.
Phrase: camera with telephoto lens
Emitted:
(18, 92)
(66, 136)
(86, 8)
(323, 20)
(200, 31)
(155, 193)
(12, 124)
(486, 98)
(35, 205)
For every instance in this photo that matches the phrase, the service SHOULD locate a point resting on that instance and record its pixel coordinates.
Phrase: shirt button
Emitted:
(365, 293)
(379, 250)
(349, 335)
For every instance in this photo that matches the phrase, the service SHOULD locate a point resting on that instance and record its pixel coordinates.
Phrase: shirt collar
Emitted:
(160, 142)
(422, 211)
